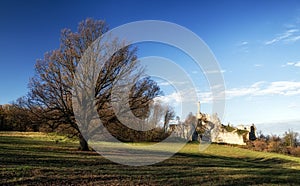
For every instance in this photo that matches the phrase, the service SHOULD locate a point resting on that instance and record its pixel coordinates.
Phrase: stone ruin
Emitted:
(209, 128)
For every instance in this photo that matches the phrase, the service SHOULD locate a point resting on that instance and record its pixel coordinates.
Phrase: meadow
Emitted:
(50, 159)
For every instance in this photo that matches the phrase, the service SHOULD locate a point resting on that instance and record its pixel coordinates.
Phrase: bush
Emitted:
(278, 147)
(275, 144)
(295, 151)
(260, 145)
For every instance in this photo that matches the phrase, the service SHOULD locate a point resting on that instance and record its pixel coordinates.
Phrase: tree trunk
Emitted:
(83, 144)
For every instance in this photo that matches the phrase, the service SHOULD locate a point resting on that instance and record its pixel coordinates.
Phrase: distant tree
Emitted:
(261, 135)
(51, 87)
(15, 118)
(20, 116)
(275, 144)
(169, 114)
(191, 120)
(156, 114)
(2, 116)
(288, 144)
(34, 116)
(290, 138)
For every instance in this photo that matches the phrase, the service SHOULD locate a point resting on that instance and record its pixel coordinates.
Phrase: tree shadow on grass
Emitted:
(222, 170)
(33, 162)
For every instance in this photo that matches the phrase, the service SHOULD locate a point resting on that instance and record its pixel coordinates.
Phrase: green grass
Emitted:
(50, 159)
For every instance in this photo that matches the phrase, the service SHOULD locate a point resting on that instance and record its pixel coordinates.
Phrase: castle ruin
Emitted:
(209, 128)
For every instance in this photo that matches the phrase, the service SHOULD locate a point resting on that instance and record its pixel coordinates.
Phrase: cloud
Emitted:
(290, 63)
(244, 91)
(175, 97)
(279, 127)
(295, 64)
(284, 88)
(292, 106)
(288, 36)
(205, 97)
(243, 43)
(214, 71)
(260, 88)
(258, 65)
(294, 38)
(178, 97)
(171, 83)
(243, 46)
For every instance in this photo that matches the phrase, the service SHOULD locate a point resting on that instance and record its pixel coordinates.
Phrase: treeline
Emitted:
(14, 118)
(18, 117)
(288, 143)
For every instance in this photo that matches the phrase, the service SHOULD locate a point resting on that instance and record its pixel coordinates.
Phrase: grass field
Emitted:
(49, 159)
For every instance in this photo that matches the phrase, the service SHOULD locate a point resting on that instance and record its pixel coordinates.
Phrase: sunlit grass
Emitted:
(51, 159)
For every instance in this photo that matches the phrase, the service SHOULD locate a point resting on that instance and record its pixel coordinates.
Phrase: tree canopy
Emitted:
(51, 89)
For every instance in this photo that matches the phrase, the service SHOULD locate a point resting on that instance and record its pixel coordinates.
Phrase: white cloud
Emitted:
(288, 36)
(292, 106)
(294, 38)
(175, 97)
(260, 88)
(215, 72)
(244, 91)
(243, 46)
(164, 83)
(279, 127)
(243, 43)
(205, 97)
(295, 64)
(290, 63)
(171, 83)
(258, 65)
(284, 88)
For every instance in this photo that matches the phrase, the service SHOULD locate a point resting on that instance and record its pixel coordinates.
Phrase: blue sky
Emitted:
(255, 42)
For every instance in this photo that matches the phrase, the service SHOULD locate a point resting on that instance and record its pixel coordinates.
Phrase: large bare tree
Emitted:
(51, 89)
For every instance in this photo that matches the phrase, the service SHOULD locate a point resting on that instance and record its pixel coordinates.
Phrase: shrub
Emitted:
(277, 146)
(260, 145)
(295, 151)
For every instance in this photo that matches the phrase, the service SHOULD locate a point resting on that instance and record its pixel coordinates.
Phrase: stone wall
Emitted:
(228, 137)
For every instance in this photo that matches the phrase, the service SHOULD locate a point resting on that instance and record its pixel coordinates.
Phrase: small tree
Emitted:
(290, 138)
(275, 144)
(169, 115)
(156, 114)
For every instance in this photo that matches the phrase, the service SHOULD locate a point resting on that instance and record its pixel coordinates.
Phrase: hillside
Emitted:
(49, 159)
